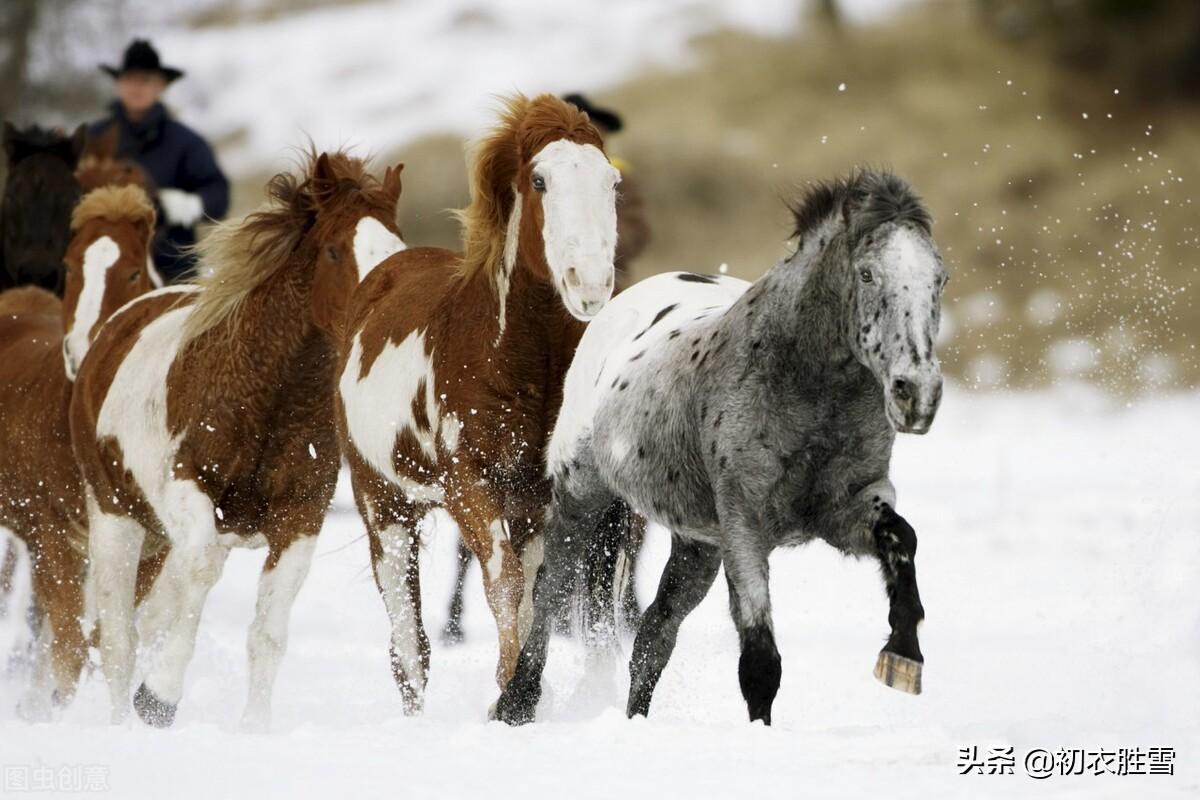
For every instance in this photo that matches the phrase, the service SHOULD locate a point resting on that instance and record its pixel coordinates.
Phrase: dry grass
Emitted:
(1071, 240)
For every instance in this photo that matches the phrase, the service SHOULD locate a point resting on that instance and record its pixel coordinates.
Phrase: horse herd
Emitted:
(145, 431)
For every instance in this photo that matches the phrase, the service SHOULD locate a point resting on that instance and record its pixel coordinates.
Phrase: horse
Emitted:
(42, 341)
(452, 367)
(744, 417)
(39, 193)
(203, 416)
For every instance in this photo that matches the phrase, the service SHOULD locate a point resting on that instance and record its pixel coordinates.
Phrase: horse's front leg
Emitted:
(900, 662)
(744, 553)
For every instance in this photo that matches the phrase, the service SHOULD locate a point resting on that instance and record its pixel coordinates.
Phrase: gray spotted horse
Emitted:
(744, 417)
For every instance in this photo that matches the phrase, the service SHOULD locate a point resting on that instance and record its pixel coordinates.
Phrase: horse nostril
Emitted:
(573, 277)
(901, 390)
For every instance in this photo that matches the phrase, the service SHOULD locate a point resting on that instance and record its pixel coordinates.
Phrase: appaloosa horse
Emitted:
(35, 216)
(205, 416)
(747, 417)
(42, 341)
(452, 366)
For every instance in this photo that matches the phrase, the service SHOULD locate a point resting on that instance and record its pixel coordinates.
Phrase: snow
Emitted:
(1059, 546)
(379, 74)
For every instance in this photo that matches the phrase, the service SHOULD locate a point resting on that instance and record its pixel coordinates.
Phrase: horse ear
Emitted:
(323, 179)
(391, 182)
(79, 141)
(104, 145)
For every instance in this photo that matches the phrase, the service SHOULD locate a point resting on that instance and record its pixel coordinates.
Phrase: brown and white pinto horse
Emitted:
(452, 367)
(205, 416)
(42, 341)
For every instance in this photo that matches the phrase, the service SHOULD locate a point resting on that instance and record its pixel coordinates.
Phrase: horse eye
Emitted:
(539, 183)
(333, 253)
(866, 276)
(137, 273)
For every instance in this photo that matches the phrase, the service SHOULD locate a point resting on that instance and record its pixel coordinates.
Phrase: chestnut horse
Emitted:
(42, 341)
(205, 417)
(452, 366)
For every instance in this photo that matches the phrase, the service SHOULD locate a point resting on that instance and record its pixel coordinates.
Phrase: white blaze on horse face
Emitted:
(97, 260)
(379, 406)
(373, 242)
(580, 228)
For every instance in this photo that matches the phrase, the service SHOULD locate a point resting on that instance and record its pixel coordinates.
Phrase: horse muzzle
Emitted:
(912, 401)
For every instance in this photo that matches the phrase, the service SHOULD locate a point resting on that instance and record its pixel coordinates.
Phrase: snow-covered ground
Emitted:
(1059, 549)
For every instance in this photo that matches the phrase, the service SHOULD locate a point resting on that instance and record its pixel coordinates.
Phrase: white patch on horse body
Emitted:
(236, 541)
(97, 259)
(512, 240)
(372, 244)
(450, 428)
(379, 407)
(495, 564)
(580, 226)
(612, 339)
(277, 589)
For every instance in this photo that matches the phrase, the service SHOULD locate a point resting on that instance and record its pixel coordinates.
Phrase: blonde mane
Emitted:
(238, 256)
(115, 204)
(524, 128)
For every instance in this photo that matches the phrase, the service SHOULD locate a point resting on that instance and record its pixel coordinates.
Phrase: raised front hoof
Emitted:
(154, 711)
(452, 634)
(898, 672)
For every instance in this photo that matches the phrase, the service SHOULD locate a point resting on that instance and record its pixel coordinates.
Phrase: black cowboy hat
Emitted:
(605, 118)
(141, 56)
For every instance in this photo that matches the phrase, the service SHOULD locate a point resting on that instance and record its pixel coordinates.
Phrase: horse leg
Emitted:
(191, 568)
(114, 547)
(479, 512)
(599, 622)
(629, 613)
(452, 633)
(7, 571)
(900, 662)
(395, 550)
(576, 507)
(689, 574)
(58, 577)
(759, 667)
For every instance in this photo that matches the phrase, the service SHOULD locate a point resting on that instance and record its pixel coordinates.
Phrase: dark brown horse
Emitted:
(42, 341)
(452, 367)
(204, 417)
(39, 193)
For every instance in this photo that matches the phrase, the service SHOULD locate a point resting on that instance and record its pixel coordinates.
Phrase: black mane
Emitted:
(867, 198)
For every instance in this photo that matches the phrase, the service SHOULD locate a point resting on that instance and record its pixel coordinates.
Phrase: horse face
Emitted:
(897, 285)
(41, 191)
(576, 186)
(114, 269)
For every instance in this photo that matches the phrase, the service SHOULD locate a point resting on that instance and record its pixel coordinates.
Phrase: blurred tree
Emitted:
(1151, 46)
(18, 22)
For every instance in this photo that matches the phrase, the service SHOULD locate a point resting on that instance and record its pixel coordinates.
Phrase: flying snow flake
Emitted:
(841, 87)
(312, 452)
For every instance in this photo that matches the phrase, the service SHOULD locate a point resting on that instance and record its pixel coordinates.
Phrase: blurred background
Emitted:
(1054, 140)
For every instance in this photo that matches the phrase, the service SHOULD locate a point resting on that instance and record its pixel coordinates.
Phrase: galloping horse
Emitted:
(452, 366)
(205, 416)
(42, 341)
(747, 417)
(39, 193)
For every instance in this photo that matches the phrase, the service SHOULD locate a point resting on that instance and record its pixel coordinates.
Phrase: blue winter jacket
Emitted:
(177, 158)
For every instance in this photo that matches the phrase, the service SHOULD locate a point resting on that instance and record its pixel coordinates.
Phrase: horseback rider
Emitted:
(190, 184)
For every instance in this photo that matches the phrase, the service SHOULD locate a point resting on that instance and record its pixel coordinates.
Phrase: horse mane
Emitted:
(868, 198)
(525, 127)
(115, 204)
(238, 256)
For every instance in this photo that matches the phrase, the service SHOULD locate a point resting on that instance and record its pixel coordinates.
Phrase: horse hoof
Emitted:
(452, 634)
(153, 711)
(898, 672)
(512, 712)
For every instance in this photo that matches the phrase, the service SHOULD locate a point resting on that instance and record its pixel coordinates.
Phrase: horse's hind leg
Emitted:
(900, 662)
(190, 569)
(689, 574)
(395, 550)
(629, 613)
(58, 578)
(282, 576)
(452, 633)
(114, 546)
(599, 622)
(577, 505)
